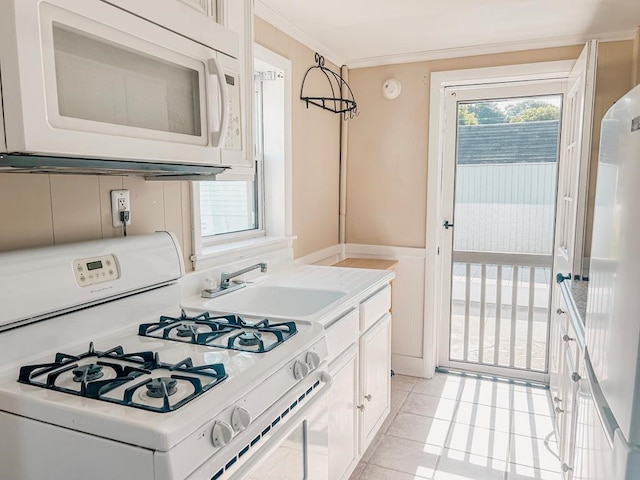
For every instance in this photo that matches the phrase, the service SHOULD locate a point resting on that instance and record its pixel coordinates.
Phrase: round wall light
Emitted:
(391, 89)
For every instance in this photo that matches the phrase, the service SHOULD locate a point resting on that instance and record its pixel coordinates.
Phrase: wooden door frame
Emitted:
(559, 70)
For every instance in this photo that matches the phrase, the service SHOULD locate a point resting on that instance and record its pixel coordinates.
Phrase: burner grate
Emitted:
(141, 363)
(225, 331)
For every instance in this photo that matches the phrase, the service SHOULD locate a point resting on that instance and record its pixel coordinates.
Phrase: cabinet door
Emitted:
(558, 318)
(570, 384)
(238, 151)
(375, 379)
(343, 428)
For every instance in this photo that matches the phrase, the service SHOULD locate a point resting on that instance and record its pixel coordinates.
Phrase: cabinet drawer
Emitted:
(374, 307)
(342, 332)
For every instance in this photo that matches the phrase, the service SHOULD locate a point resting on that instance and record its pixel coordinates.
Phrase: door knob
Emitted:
(447, 225)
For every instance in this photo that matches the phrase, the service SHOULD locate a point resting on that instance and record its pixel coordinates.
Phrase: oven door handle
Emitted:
(218, 137)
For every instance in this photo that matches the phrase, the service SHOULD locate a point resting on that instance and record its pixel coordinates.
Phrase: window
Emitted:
(235, 215)
(233, 208)
(228, 207)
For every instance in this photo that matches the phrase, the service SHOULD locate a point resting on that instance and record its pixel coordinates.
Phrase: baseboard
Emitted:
(404, 365)
(362, 250)
(326, 256)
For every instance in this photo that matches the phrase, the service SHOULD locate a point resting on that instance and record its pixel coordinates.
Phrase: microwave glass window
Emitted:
(288, 461)
(104, 82)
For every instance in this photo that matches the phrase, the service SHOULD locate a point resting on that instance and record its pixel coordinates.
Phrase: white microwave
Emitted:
(128, 80)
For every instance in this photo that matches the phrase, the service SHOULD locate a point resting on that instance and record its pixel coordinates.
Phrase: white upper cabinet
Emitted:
(238, 151)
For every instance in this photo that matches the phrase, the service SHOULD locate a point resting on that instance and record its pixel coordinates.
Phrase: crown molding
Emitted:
(487, 49)
(268, 15)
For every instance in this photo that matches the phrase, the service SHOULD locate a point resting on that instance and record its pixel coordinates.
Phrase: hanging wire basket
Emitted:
(341, 99)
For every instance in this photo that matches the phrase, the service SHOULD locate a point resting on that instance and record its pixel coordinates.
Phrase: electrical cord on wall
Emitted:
(124, 218)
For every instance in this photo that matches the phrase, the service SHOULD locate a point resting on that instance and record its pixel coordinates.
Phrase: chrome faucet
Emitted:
(225, 284)
(225, 277)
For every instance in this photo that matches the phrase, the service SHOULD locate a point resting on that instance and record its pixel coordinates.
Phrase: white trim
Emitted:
(500, 372)
(558, 70)
(285, 26)
(486, 49)
(405, 365)
(433, 268)
(389, 251)
(280, 174)
(326, 256)
(232, 252)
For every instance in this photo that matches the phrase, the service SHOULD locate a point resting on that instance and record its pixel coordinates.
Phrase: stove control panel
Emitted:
(89, 271)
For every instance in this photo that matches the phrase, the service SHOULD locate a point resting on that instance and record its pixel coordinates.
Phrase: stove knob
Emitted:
(300, 370)
(221, 434)
(313, 360)
(240, 419)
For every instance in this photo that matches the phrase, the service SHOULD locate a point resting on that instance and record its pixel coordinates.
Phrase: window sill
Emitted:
(214, 255)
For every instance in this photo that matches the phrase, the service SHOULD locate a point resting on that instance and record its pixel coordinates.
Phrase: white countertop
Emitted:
(357, 283)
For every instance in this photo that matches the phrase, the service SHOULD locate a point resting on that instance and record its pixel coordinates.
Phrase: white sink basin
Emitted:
(275, 301)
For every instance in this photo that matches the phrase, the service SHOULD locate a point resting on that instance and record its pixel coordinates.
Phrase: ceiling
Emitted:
(374, 32)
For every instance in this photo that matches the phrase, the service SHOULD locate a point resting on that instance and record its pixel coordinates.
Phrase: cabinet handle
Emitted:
(566, 468)
(559, 410)
(560, 311)
(575, 376)
(360, 407)
(557, 399)
(567, 338)
(368, 397)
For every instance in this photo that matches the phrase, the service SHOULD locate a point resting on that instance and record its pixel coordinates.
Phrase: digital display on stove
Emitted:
(94, 265)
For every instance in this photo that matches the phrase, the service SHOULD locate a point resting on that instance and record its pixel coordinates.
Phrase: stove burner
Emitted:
(157, 386)
(126, 370)
(186, 330)
(225, 331)
(87, 373)
(249, 338)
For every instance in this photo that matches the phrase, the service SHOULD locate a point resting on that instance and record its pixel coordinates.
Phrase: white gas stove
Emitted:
(103, 376)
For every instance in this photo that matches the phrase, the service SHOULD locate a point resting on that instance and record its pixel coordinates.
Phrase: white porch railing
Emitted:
(500, 309)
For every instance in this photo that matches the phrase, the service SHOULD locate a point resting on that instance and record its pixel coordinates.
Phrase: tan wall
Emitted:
(40, 210)
(316, 151)
(388, 146)
(613, 80)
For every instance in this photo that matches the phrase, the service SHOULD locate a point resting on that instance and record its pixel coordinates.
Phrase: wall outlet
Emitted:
(119, 203)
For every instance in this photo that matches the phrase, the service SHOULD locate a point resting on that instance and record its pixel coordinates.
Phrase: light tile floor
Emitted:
(456, 427)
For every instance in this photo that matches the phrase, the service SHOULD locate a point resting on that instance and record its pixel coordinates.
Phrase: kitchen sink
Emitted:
(275, 301)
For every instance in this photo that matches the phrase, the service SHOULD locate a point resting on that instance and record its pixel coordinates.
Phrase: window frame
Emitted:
(273, 169)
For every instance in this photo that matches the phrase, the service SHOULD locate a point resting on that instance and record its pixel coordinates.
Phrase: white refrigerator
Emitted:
(608, 421)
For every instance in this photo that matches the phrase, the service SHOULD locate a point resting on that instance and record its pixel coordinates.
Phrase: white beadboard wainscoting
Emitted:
(408, 322)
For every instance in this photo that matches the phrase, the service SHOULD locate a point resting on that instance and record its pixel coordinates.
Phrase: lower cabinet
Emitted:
(375, 380)
(360, 397)
(343, 416)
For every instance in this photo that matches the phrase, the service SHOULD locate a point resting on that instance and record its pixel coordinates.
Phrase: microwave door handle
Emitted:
(218, 137)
